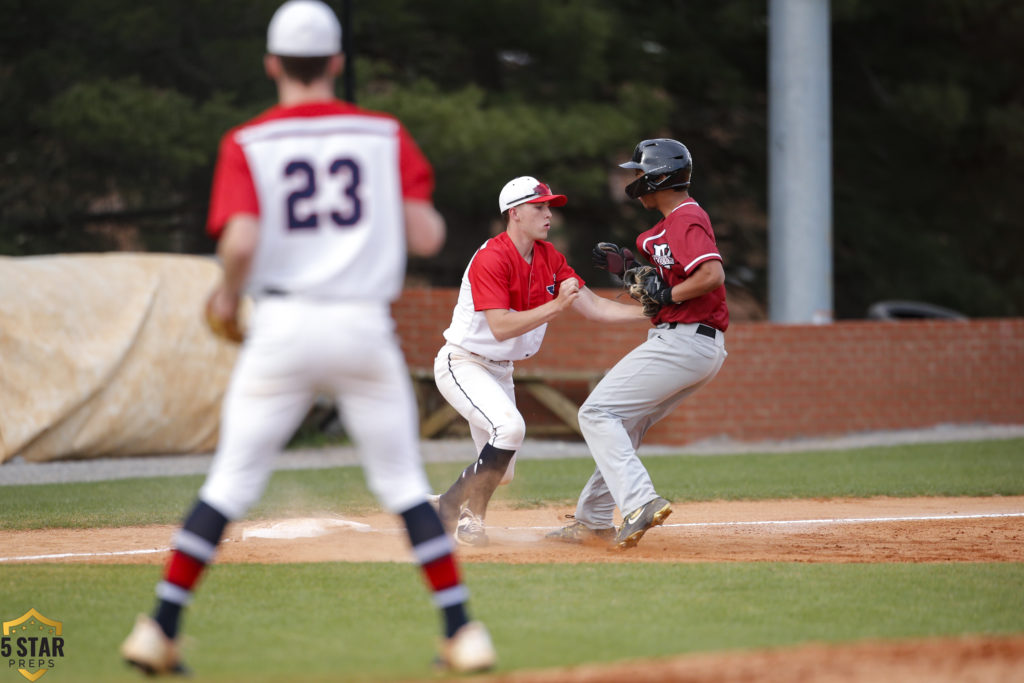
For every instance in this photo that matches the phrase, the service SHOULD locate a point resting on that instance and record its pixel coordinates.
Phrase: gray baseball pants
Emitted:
(643, 387)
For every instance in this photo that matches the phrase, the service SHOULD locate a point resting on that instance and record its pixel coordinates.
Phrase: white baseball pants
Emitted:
(295, 350)
(482, 392)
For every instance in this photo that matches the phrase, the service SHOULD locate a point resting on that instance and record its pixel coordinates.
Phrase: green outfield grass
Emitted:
(374, 622)
(983, 468)
(354, 622)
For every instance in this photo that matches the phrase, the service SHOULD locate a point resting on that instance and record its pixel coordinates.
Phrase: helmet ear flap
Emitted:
(665, 164)
(637, 188)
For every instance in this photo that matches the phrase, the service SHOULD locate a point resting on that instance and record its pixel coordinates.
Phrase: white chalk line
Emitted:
(831, 520)
(110, 553)
(64, 556)
(780, 522)
(855, 520)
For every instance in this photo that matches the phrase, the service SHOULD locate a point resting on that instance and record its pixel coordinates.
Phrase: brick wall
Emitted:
(787, 381)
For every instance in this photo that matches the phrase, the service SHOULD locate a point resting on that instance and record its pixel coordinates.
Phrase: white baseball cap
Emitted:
(527, 190)
(304, 28)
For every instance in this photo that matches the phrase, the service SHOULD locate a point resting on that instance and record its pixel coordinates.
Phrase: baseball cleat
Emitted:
(470, 530)
(149, 649)
(578, 533)
(636, 523)
(469, 650)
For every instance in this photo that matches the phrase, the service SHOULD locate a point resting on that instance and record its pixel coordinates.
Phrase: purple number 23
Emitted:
(349, 172)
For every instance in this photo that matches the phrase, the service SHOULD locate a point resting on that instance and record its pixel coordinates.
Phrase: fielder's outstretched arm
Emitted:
(598, 308)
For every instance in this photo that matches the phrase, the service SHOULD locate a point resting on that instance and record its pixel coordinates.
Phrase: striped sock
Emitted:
(433, 549)
(195, 546)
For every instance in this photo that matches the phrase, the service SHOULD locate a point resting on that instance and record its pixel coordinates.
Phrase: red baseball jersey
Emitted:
(326, 180)
(676, 246)
(498, 277)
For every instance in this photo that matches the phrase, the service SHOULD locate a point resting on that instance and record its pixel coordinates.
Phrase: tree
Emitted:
(114, 109)
(929, 142)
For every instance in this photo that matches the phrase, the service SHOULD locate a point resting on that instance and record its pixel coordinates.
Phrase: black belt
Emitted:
(489, 360)
(706, 330)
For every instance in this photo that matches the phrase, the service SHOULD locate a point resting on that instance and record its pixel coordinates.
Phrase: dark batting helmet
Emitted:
(666, 164)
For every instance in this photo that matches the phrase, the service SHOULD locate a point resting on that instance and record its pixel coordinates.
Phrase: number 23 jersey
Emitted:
(326, 181)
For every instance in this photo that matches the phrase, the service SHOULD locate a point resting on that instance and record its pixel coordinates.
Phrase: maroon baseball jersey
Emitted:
(676, 246)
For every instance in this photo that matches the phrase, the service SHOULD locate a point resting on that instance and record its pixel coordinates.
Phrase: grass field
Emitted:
(373, 622)
(982, 468)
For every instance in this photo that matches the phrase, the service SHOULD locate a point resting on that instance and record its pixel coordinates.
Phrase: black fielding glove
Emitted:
(616, 260)
(646, 287)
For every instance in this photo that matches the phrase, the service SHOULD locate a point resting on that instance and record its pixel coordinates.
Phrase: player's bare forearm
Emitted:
(708, 277)
(599, 309)
(236, 250)
(424, 228)
(507, 324)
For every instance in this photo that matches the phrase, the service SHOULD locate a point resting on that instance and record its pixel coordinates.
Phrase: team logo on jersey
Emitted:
(32, 644)
(551, 287)
(662, 255)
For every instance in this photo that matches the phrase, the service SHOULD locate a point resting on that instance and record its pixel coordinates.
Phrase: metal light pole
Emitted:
(799, 162)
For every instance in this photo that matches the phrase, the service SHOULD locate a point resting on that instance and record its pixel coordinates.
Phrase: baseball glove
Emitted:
(645, 286)
(229, 329)
(609, 256)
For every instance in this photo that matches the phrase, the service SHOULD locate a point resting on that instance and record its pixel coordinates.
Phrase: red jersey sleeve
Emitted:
(490, 280)
(695, 244)
(233, 189)
(417, 174)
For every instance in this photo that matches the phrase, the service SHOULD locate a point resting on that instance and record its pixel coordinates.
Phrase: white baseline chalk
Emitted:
(64, 556)
(833, 520)
(780, 522)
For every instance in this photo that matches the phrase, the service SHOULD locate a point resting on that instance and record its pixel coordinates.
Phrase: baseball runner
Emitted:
(684, 294)
(309, 201)
(513, 286)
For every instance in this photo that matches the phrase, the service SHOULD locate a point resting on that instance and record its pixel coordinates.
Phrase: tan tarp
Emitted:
(108, 355)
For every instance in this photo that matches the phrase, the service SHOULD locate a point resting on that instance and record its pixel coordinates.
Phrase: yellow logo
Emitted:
(32, 643)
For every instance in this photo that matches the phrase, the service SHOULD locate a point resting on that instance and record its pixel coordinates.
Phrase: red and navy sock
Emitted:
(434, 550)
(195, 545)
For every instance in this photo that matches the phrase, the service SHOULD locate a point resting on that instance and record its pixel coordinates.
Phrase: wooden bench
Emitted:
(436, 415)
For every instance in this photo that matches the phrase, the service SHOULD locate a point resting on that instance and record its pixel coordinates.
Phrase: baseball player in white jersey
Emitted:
(514, 285)
(315, 203)
(683, 352)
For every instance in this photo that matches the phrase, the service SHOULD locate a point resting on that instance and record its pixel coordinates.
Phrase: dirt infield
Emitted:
(938, 660)
(845, 530)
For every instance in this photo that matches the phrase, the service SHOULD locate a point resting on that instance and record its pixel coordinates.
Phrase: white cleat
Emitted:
(149, 649)
(470, 650)
(470, 529)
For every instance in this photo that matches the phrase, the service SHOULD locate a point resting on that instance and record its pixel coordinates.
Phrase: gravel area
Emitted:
(17, 471)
